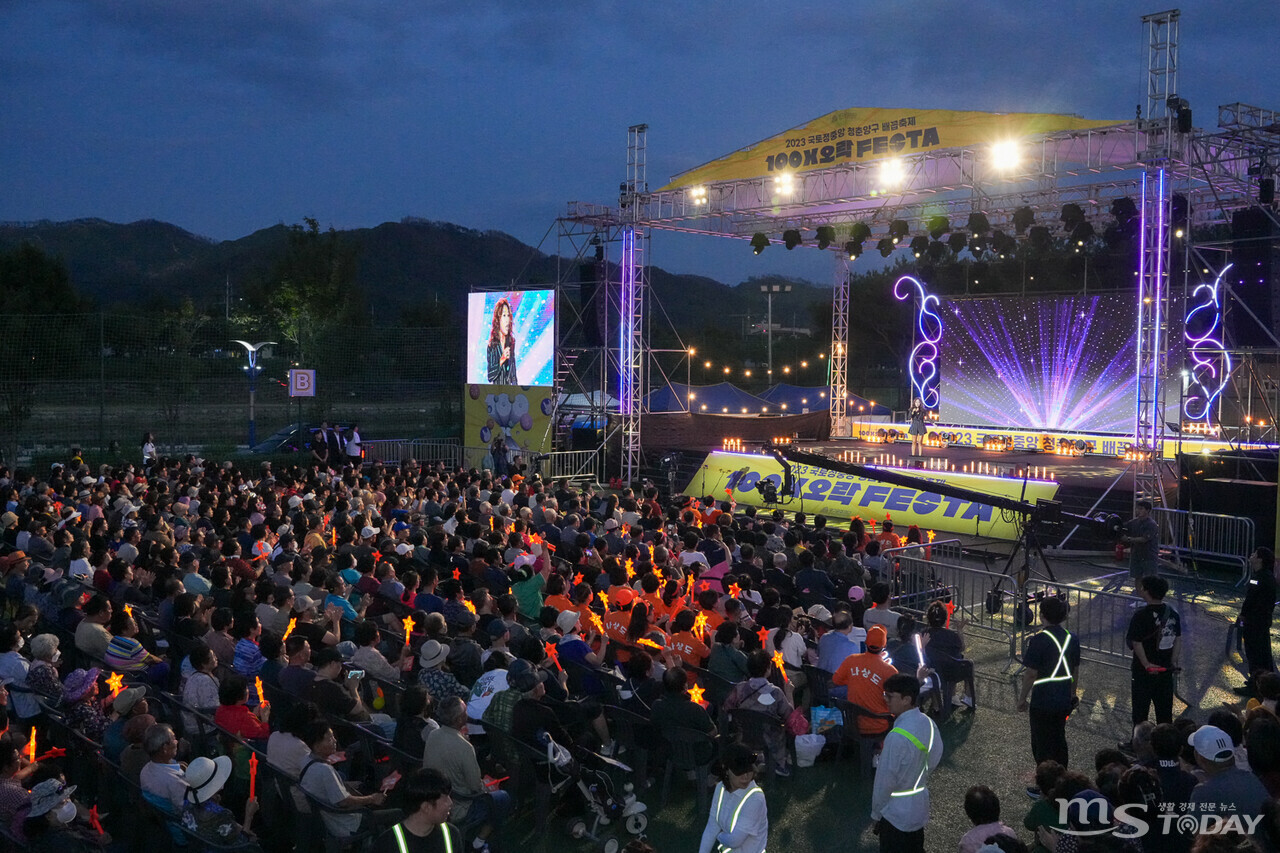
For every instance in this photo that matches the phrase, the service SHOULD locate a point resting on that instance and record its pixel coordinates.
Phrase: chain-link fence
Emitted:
(101, 380)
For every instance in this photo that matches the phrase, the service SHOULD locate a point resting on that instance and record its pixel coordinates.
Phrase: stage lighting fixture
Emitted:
(1003, 244)
(892, 173)
(860, 232)
(938, 225)
(1071, 216)
(978, 223)
(1123, 209)
(854, 249)
(1081, 234)
(791, 238)
(826, 236)
(919, 245)
(957, 241)
(1005, 156)
(977, 244)
(937, 252)
(1040, 237)
(1023, 218)
(1179, 212)
(898, 230)
(758, 242)
(886, 247)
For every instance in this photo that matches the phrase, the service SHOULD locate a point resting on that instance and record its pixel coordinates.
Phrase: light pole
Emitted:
(768, 290)
(252, 370)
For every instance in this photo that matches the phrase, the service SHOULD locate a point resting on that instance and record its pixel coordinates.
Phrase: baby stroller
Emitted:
(590, 773)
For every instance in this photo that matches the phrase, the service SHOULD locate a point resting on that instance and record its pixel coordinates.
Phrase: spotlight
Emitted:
(1040, 238)
(919, 245)
(791, 238)
(1071, 216)
(854, 249)
(1082, 234)
(937, 252)
(886, 247)
(892, 172)
(758, 242)
(826, 236)
(977, 245)
(1005, 155)
(938, 225)
(1003, 244)
(898, 230)
(1123, 209)
(1179, 212)
(1023, 218)
(860, 232)
(957, 241)
(978, 223)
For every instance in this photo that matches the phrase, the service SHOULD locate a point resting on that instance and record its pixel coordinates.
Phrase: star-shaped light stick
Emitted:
(407, 622)
(554, 654)
(695, 694)
(777, 661)
(293, 623)
(115, 683)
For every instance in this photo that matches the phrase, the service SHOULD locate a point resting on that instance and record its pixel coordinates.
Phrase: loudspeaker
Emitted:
(593, 303)
(1253, 279)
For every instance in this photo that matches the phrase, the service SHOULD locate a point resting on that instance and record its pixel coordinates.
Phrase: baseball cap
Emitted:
(611, 524)
(367, 532)
(497, 628)
(1212, 743)
(303, 603)
(567, 620)
(524, 676)
(124, 702)
(876, 637)
(819, 613)
(624, 596)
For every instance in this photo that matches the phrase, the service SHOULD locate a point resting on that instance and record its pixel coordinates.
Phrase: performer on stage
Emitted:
(917, 430)
(502, 346)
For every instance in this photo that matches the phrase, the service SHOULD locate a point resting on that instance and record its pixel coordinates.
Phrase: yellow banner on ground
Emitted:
(519, 416)
(836, 495)
(861, 134)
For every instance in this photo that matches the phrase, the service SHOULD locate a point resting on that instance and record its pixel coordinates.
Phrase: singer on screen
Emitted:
(502, 347)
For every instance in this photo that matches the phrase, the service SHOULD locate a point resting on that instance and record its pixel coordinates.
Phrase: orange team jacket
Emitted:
(690, 649)
(889, 540)
(713, 620)
(863, 676)
(615, 628)
(559, 602)
(657, 610)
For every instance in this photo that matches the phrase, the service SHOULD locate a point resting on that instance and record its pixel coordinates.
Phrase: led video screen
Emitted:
(511, 337)
(1050, 362)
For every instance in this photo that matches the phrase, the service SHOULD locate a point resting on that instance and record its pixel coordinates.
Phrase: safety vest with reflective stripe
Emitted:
(924, 750)
(403, 844)
(1062, 670)
(733, 824)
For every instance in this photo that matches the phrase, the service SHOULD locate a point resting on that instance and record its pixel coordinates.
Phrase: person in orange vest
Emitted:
(887, 538)
(684, 642)
(861, 679)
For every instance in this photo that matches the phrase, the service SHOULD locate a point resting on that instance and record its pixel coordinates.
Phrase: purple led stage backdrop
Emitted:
(1051, 362)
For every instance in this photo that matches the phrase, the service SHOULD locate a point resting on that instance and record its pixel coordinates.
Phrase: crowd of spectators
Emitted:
(185, 618)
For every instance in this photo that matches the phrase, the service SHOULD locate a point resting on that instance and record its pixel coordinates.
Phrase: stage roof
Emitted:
(864, 134)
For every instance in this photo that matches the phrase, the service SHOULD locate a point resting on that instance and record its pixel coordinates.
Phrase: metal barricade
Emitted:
(384, 450)
(979, 597)
(567, 464)
(1227, 539)
(431, 451)
(939, 551)
(1099, 620)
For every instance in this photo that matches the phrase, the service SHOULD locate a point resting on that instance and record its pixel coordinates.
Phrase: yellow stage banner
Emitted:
(862, 134)
(518, 415)
(837, 495)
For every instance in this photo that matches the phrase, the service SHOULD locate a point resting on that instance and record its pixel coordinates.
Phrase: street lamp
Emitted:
(252, 370)
(768, 290)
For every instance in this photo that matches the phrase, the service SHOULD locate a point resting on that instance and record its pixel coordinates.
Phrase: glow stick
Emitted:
(253, 775)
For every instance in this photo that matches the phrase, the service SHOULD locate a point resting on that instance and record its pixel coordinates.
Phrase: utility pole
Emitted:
(768, 290)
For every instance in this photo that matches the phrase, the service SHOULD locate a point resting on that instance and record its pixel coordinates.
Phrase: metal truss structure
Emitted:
(1147, 160)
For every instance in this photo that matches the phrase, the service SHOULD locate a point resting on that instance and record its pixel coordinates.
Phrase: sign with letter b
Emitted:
(302, 383)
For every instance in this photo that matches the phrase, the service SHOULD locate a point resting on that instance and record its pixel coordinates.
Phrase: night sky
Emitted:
(224, 118)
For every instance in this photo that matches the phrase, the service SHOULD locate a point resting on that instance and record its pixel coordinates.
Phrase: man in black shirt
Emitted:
(1256, 613)
(1155, 635)
(425, 796)
(332, 691)
(1050, 682)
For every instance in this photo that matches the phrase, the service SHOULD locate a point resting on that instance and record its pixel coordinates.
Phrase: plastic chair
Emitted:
(689, 750)
(819, 684)
(756, 729)
(850, 731)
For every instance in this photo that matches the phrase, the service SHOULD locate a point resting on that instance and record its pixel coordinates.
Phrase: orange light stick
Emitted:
(657, 573)
(700, 624)
(253, 774)
(31, 747)
(408, 629)
(554, 654)
(631, 569)
(115, 682)
(735, 590)
(604, 599)
(695, 693)
(577, 579)
(257, 683)
(128, 611)
(293, 623)
(597, 623)
(645, 641)
(951, 608)
(763, 634)
(457, 574)
(469, 605)
(777, 661)
(491, 522)
(94, 820)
